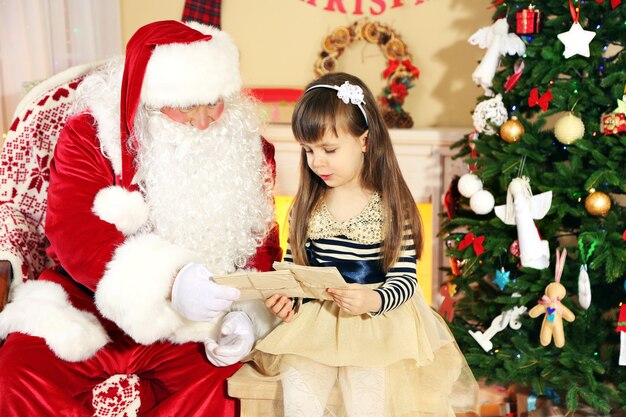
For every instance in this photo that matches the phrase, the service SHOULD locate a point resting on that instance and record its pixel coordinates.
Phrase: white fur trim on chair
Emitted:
(42, 308)
(135, 289)
(125, 209)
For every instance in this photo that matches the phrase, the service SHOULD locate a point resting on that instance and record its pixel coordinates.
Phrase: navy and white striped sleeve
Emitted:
(401, 280)
(288, 256)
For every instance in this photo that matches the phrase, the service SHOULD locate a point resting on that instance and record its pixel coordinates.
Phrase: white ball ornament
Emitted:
(469, 184)
(489, 112)
(482, 202)
(568, 129)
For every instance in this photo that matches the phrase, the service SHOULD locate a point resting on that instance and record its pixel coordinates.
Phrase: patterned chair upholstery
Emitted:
(24, 172)
(24, 175)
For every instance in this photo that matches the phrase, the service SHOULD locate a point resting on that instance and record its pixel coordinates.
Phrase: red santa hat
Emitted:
(172, 64)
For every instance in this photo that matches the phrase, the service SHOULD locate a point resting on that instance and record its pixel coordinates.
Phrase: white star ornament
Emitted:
(576, 41)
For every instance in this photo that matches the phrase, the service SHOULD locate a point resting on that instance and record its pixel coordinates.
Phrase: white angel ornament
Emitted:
(498, 41)
(520, 209)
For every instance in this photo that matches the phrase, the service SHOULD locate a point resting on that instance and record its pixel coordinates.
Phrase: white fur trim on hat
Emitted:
(135, 289)
(42, 309)
(125, 209)
(183, 75)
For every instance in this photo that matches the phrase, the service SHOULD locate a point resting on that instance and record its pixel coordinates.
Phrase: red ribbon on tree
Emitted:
(543, 101)
(495, 3)
(512, 79)
(575, 11)
(476, 242)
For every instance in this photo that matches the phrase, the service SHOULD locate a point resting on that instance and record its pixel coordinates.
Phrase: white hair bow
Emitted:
(348, 93)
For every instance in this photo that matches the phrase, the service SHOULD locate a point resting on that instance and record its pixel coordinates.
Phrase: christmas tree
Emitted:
(540, 277)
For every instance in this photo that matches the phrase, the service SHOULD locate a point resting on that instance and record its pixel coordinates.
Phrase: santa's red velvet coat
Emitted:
(130, 276)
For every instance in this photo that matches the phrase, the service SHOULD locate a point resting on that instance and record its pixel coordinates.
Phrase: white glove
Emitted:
(198, 298)
(234, 342)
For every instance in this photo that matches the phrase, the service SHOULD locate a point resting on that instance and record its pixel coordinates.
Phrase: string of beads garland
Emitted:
(399, 74)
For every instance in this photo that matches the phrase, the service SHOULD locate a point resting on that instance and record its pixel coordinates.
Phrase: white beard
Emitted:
(209, 191)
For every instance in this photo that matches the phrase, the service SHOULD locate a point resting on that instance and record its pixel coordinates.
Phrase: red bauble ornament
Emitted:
(514, 248)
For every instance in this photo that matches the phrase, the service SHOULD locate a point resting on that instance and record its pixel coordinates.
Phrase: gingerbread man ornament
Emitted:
(446, 309)
(555, 312)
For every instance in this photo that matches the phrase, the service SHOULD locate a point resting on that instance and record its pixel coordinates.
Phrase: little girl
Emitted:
(390, 354)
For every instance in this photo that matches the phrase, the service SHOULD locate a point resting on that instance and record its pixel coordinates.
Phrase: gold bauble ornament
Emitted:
(568, 129)
(598, 203)
(512, 130)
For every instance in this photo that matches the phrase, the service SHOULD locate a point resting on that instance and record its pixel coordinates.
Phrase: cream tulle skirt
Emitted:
(406, 359)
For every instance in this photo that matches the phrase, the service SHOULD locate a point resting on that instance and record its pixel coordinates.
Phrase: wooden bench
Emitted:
(262, 398)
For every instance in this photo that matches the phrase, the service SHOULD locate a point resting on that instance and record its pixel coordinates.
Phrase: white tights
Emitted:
(306, 388)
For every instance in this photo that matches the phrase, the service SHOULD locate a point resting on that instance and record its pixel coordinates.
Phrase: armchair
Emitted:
(24, 174)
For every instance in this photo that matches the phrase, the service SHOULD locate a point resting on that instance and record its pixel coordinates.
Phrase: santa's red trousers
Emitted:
(176, 380)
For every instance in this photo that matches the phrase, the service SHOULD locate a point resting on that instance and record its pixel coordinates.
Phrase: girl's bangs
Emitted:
(316, 116)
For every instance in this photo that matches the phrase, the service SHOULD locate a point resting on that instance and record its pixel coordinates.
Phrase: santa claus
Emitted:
(149, 197)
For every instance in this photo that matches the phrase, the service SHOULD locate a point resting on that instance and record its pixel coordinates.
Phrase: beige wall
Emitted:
(280, 40)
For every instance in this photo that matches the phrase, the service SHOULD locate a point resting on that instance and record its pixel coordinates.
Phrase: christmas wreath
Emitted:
(399, 74)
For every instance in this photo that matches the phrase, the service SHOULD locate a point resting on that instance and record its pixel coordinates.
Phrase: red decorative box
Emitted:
(528, 21)
(614, 123)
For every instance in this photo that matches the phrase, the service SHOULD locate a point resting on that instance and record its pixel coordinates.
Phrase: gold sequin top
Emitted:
(366, 227)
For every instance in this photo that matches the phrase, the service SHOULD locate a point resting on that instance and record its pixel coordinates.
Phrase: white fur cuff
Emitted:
(134, 291)
(42, 309)
(262, 318)
(125, 209)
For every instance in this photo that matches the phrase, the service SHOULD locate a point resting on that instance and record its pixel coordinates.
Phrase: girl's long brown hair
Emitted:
(319, 110)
